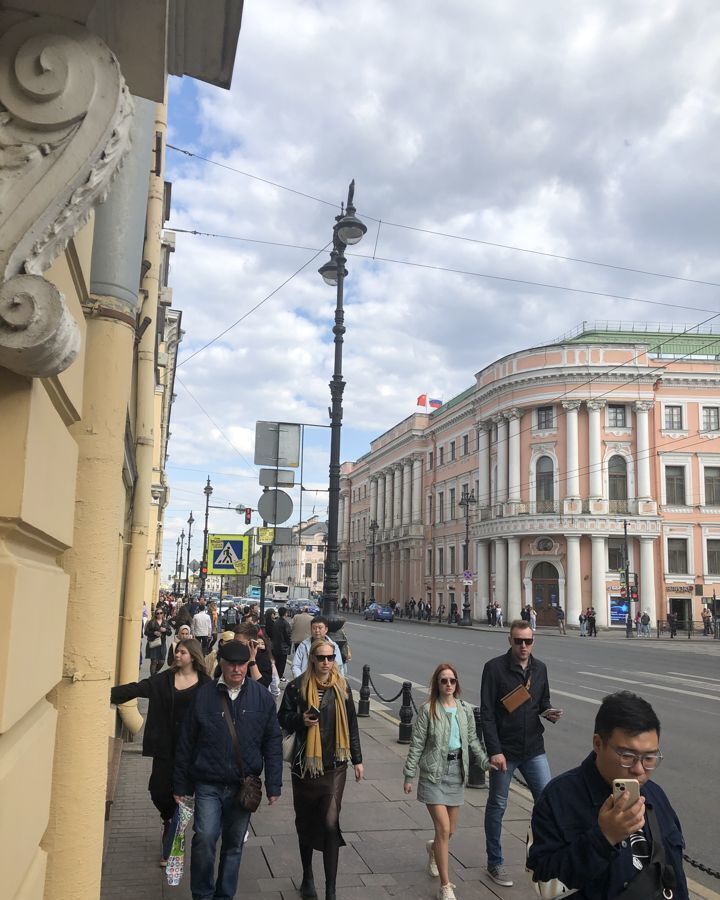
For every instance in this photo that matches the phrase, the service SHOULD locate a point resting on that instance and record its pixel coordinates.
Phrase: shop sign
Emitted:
(680, 588)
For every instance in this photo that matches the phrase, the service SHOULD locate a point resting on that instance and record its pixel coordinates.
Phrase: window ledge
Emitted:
(618, 429)
(678, 509)
(672, 432)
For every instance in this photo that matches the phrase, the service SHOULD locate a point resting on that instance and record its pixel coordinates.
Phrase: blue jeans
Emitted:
(536, 772)
(216, 813)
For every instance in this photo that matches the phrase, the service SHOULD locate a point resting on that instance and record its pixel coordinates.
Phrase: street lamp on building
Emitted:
(207, 490)
(187, 564)
(466, 501)
(348, 230)
(373, 526)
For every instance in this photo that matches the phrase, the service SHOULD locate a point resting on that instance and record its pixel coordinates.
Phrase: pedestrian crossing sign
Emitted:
(227, 554)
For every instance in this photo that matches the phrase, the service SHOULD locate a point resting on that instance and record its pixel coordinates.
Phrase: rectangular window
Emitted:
(451, 504)
(673, 418)
(544, 418)
(309, 548)
(616, 554)
(677, 556)
(321, 571)
(308, 570)
(441, 455)
(441, 561)
(430, 460)
(429, 563)
(452, 451)
(451, 551)
(430, 509)
(712, 486)
(675, 485)
(441, 507)
(466, 444)
(616, 416)
(713, 557)
(711, 418)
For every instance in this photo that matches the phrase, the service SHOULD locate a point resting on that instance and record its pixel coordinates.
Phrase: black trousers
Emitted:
(161, 786)
(280, 663)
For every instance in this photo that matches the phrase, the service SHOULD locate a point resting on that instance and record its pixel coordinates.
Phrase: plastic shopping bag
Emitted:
(175, 850)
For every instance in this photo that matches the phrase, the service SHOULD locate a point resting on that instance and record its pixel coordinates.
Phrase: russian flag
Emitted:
(422, 400)
(434, 404)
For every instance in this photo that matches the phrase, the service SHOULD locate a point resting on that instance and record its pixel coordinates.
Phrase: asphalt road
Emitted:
(682, 682)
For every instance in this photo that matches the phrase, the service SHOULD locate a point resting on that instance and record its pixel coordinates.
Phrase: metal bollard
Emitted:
(476, 776)
(364, 704)
(406, 714)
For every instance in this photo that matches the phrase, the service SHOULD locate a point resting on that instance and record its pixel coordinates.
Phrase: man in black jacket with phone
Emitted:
(607, 846)
(514, 694)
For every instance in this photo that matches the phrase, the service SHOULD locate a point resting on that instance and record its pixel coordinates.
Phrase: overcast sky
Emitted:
(577, 129)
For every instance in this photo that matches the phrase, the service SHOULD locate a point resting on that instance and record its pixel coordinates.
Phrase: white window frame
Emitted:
(618, 429)
(673, 460)
(536, 423)
(684, 531)
(703, 407)
(712, 462)
(684, 415)
(709, 533)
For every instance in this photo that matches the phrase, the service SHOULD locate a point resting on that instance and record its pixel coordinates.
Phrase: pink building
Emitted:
(561, 447)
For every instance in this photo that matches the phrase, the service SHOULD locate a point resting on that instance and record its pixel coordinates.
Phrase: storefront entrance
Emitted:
(682, 606)
(545, 593)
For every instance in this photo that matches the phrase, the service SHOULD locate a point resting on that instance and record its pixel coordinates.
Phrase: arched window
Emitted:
(617, 484)
(544, 485)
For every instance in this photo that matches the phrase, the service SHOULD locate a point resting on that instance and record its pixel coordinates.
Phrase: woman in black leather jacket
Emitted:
(318, 708)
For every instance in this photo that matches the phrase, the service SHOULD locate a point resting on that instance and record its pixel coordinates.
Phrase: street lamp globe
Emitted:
(207, 490)
(191, 520)
(350, 229)
(329, 271)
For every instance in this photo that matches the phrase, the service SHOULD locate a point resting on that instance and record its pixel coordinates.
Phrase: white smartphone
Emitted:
(629, 786)
(551, 711)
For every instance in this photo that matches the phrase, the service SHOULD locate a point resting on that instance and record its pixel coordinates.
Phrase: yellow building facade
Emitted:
(88, 344)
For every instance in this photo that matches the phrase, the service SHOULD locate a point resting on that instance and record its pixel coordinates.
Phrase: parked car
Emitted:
(296, 606)
(379, 613)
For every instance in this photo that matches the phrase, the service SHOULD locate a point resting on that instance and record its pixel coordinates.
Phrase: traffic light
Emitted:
(623, 592)
(248, 516)
(203, 568)
(634, 593)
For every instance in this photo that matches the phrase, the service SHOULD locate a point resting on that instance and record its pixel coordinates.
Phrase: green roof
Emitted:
(673, 339)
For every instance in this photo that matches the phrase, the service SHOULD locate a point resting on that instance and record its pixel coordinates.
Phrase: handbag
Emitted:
(289, 747)
(657, 880)
(553, 889)
(249, 794)
(515, 698)
(155, 642)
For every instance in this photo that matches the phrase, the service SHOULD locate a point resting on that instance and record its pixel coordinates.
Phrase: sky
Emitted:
(512, 162)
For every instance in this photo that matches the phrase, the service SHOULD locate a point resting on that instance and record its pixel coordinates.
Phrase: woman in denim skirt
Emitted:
(443, 737)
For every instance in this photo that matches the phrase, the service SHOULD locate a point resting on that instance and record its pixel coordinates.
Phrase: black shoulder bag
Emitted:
(657, 880)
(249, 793)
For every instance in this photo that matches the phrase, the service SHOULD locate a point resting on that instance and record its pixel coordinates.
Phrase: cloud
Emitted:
(579, 130)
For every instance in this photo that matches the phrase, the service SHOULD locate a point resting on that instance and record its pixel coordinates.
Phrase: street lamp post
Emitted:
(207, 490)
(348, 230)
(187, 564)
(373, 526)
(466, 501)
(182, 549)
(176, 586)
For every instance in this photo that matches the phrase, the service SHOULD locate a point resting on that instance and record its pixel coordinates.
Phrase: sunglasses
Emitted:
(321, 658)
(448, 681)
(526, 641)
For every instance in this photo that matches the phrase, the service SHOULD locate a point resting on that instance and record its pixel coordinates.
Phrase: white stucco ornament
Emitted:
(65, 115)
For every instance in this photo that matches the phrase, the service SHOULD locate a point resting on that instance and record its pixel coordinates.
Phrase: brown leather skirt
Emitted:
(317, 803)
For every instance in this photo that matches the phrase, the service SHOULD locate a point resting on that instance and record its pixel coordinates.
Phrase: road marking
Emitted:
(375, 705)
(699, 677)
(658, 687)
(399, 680)
(576, 697)
(709, 686)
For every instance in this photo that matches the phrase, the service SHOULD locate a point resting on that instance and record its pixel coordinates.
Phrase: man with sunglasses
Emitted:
(608, 848)
(514, 695)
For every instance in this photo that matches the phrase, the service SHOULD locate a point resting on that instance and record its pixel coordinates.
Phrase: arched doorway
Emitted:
(545, 593)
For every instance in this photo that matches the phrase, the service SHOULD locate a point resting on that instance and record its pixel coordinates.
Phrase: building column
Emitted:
(388, 499)
(406, 490)
(501, 572)
(380, 511)
(599, 584)
(397, 496)
(514, 479)
(502, 458)
(573, 592)
(647, 579)
(373, 499)
(346, 519)
(483, 433)
(513, 579)
(642, 457)
(595, 449)
(482, 594)
(571, 503)
(416, 512)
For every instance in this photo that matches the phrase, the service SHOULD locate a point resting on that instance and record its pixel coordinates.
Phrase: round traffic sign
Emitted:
(275, 506)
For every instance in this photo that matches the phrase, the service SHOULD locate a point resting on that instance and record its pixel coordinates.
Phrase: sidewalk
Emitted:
(385, 833)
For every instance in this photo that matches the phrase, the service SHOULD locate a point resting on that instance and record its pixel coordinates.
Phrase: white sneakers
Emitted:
(447, 892)
(432, 868)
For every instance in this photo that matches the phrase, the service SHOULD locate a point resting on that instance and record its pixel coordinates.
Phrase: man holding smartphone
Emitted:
(514, 695)
(605, 829)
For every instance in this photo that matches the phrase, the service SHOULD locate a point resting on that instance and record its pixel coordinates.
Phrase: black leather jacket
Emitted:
(290, 716)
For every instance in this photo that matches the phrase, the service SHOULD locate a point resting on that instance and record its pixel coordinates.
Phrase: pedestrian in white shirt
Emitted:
(202, 627)
(318, 631)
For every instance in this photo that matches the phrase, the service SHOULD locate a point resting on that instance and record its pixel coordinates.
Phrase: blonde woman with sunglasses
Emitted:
(318, 708)
(443, 738)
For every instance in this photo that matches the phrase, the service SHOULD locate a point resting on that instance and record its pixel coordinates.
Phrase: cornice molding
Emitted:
(65, 114)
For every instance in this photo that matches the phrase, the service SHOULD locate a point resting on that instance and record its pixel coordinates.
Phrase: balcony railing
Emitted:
(618, 507)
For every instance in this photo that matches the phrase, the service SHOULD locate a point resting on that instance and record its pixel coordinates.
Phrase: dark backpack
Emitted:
(645, 619)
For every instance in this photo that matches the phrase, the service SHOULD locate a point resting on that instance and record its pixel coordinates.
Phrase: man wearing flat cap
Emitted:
(206, 765)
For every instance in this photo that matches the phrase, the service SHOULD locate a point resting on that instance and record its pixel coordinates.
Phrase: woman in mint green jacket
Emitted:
(443, 738)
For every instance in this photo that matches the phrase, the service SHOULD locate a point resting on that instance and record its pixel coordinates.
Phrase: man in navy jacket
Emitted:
(206, 765)
(592, 843)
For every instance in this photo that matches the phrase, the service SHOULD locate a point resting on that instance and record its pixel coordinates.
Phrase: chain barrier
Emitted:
(698, 865)
(412, 700)
(385, 699)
